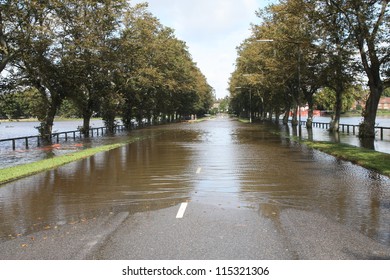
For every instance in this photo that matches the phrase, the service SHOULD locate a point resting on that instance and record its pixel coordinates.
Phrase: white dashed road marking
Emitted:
(182, 209)
(198, 170)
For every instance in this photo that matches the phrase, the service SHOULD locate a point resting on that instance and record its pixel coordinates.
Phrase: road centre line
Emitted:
(181, 211)
(198, 170)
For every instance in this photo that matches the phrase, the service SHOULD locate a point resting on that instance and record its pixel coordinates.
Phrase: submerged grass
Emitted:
(366, 158)
(369, 159)
(24, 170)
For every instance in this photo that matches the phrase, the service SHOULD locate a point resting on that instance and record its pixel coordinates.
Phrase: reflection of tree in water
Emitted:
(292, 176)
(146, 175)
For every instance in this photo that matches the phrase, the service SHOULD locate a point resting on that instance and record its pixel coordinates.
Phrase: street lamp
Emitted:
(299, 69)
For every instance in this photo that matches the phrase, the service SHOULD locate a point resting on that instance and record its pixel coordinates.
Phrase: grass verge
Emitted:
(16, 172)
(377, 161)
(242, 120)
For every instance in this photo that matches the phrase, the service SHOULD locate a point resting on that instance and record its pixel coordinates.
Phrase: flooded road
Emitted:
(219, 162)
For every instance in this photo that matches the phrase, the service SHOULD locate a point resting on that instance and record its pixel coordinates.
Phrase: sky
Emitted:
(212, 29)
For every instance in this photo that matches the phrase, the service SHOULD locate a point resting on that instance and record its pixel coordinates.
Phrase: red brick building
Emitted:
(384, 103)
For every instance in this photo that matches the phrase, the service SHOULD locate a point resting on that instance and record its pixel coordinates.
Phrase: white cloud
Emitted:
(212, 30)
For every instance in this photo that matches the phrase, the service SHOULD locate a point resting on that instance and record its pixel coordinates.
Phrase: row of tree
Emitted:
(103, 56)
(303, 48)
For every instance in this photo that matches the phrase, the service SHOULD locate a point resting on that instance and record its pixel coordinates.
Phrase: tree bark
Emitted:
(286, 116)
(294, 121)
(335, 122)
(127, 115)
(86, 123)
(310, 113)
(367, 127)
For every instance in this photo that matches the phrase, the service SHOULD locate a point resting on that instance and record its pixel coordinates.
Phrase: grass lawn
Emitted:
(366, 158)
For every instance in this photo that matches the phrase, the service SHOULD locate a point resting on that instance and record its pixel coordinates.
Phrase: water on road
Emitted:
(217, 162)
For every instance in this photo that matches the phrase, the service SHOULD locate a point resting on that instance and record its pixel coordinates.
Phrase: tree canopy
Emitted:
(301, 47)
(104, 57)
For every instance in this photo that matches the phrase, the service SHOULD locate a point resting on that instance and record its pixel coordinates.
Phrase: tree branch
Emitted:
(380, 18)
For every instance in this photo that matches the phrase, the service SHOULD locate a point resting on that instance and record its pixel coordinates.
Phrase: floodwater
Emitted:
(220, 162)
(321, 134)
(21, 155)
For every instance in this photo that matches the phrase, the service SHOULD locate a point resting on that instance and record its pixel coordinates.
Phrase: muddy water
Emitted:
(220, 162)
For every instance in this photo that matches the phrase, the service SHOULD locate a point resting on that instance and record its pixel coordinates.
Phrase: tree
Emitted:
(38, 58)
(339, 71)
(88, 28)
(155, 74)
(102, 56)
(9, 32)
(281, 63)
(368, 27)
(326, 98)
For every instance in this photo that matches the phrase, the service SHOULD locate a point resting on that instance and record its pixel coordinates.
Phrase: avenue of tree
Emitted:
(305, 50)
(106, 57)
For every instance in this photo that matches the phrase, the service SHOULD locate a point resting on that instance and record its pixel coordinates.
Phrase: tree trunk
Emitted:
(45, 130)
(46, 117)
(46, 127)
(294, 121)
(140, 118)
(86, 122)
(277, 115)
(309, 121)
(335, 122)
(367, 127)
(286, 116)
(127, 115)
(309, 97)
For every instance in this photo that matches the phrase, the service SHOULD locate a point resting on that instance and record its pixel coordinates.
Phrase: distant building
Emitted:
(216, 105)
(384, 103)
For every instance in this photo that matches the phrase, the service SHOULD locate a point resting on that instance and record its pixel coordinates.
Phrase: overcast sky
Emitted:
(212, 30)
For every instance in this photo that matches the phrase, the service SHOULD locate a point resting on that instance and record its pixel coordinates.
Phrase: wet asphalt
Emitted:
(205, 232)
(237, 207)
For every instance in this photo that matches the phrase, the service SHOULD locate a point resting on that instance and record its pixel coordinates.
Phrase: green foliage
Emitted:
(104, 57)
(386, 92)
(68, 110)
(301, 46)
(21, 104)
(325, 99)
(224, 105)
